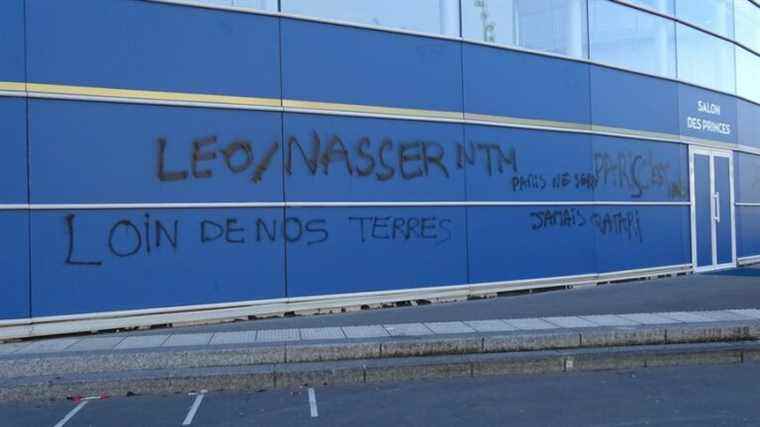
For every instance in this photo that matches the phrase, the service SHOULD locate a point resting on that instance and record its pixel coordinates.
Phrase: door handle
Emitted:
(716, 199)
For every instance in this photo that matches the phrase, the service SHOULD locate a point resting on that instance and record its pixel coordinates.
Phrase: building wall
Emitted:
(321, 178)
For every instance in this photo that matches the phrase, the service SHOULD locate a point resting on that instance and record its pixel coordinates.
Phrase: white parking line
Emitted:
(71, 413)
(194, 408)
(313, 403)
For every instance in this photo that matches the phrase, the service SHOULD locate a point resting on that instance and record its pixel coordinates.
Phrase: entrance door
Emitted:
(713, 243)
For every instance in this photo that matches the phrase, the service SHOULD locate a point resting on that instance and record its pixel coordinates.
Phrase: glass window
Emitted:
(267, 5)
(747, 70)
(663, 6)
(705, 60)
(714, 15)
(632, 39)
(555, 26)
(747, 24)
(426, 16)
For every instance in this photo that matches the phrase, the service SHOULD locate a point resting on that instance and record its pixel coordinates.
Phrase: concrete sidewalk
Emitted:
(692, 319)
(277, 358)
(730, 289)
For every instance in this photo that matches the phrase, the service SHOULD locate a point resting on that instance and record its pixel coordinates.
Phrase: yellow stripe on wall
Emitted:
(13, 86)
(371, 109)
(150, 95)
(87, 93)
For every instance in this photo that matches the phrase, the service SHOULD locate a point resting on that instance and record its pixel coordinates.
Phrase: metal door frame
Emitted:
(711, 154)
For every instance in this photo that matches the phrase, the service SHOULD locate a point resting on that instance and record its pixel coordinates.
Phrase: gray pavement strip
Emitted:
(371, 331)
(407, 329)
(609, 320)
(751, 313)
(278, 335)
(49, 346)
(570, 322)
(94, 344)
(687, 316)
(181, 340)
(142, 341)
(490, 325)
(12, 347)
(450, 328)
(649, 319)
(234, 337)
(332, 333)
(530, 324)
(723, 315)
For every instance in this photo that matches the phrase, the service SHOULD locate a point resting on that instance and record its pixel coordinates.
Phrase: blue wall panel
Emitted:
(516, 84)
(14, 265)
(376, 249)
(633, 237)
(747, 231)
(12, 41)
(334, 158)
(86, 152)
(13, 161)
(632, 101)
(89, 261)
(747, 178)
(509, 243)
(707, 115)
(330, 63)
(748, 118)
(633, 170)
(526, 165)
(152, 46)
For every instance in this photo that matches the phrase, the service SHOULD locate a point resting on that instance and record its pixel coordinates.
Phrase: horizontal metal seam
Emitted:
(99, 94)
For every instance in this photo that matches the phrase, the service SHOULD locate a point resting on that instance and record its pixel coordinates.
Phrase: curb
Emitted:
(290, 375)
(226, 356)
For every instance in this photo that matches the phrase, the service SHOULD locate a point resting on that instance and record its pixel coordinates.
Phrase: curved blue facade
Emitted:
(162, 155)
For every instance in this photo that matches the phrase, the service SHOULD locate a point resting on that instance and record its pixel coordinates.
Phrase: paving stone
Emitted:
(649, 318)
(570, 322)
(49, 346)
(142, 341)
(322, 334)
(723, 316)
(609, 320)
(490, 325)
(532, 341)
(278, 335)
(750, 312)
(94, 344)
(12, 347)
(530, 324)
(371, 331)
(234, 337)
(299, 352)
(622, 336)
(449, 328)
(181, 340)
(707, 333)
(685, 316)
(407, 329)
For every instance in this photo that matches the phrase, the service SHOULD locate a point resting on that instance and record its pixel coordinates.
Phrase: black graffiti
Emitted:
(528, 182)
(126, 238)
(290, 229)
(557, 218)
(402, 228)
(237, 157)
(383, 160)
(493, 157)
(626, 223)
(70, 253)
(635, 173)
